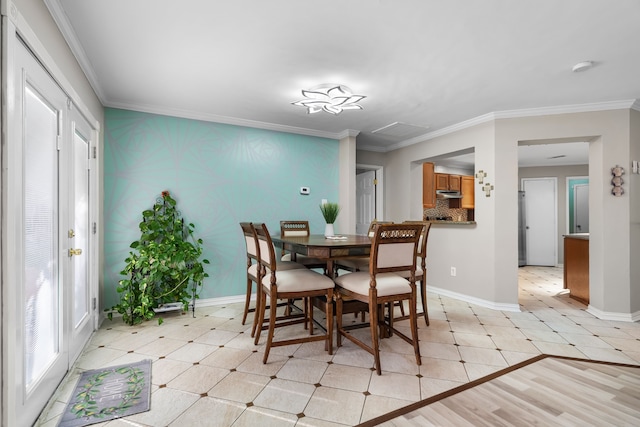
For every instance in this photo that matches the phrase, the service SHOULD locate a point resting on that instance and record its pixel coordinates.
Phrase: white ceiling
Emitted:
(432, 64)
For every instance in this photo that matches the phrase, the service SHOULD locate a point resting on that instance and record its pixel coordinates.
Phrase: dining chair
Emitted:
(393, 250)
(300, 228)
(254, 271)
(359, 264)
(290, 284)
(421, 268)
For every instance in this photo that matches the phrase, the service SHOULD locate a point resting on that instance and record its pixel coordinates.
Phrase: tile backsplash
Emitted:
(442, 209)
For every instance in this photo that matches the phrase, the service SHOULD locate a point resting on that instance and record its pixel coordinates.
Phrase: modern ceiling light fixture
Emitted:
(582, 66)
(330, 98)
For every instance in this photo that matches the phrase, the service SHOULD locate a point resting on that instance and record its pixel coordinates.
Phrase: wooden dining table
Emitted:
(321, 247)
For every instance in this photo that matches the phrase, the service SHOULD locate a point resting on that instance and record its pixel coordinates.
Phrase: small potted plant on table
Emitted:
(330, 213)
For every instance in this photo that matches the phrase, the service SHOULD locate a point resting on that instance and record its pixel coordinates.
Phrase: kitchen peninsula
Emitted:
(576, 266)
(450, 222)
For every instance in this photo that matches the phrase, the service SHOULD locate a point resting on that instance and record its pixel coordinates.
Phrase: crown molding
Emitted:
(194, 115)
(566, 109)
(60, 18)
(348, 133)
(511, 114)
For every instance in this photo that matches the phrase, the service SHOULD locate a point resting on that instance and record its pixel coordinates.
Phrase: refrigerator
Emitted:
(522, 231)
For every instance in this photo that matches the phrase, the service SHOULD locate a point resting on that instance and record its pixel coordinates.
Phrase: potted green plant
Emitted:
(330, 213)
(165, 266)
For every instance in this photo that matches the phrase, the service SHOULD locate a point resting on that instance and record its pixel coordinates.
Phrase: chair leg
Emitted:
(308, 308)
(423, 297)
(373, 324)
(329, 324)
(247, 300)
(338, 320)
(257, 310)
(263, 308)
(413, 318)
(272, 327)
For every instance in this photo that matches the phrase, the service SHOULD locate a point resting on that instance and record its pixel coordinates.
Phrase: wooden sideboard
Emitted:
(576, 266)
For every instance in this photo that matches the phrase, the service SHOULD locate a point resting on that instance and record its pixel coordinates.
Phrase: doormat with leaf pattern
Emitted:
(109, 393)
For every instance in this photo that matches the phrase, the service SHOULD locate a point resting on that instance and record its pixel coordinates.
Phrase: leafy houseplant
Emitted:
(164, 262)
(330, 213)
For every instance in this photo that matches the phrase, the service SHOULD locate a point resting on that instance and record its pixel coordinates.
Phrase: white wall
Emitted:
(632, 187)
(609, 222)
(470, 248)
(485, 255)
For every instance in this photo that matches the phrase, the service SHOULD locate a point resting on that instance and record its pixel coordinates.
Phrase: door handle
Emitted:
(73, 252)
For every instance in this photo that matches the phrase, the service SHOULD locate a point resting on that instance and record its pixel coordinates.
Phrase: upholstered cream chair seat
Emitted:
(393, 250)
(421, 268)
(289, 285)
(254, 271)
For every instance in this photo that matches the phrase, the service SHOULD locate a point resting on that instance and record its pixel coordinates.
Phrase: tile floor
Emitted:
(207, 371)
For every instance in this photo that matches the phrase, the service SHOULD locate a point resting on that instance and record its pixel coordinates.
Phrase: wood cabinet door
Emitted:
(467, 188)
(428, 186)
(454, 182)
(442, 181)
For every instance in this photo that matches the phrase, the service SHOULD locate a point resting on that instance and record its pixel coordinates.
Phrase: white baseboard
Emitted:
(619, 317)
(477, 301)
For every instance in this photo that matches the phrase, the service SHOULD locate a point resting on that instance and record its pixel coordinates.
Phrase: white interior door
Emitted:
(50, 305)
(541, 221)
(40, 342)
(365, 201)
(581, 208)
(80, 324)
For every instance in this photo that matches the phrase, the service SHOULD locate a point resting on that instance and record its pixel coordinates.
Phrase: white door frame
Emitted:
(379, 187)
(567, 213)
(14, 25)
(530, 218)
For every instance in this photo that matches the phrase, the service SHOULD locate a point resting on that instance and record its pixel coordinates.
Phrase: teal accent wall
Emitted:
(219, 175)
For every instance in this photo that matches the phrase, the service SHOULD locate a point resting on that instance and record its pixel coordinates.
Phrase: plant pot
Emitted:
(328, 230)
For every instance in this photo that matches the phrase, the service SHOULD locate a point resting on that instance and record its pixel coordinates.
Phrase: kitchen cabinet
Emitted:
(467, 189)
(428, 186)
(445, 181)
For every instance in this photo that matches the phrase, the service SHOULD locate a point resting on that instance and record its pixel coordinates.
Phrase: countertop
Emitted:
(583, 236)
(453, 222)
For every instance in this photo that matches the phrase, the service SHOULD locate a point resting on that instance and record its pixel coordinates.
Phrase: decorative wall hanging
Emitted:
(617, 181)
(487, 189)
(480, 176)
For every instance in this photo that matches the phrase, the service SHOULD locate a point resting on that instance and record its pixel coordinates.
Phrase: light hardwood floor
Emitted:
(551, 391)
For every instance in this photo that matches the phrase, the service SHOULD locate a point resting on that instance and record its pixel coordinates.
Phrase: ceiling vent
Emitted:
(400, 130)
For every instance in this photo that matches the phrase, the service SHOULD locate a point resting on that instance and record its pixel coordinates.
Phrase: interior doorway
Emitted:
(578, 204)
(540, 220)
(369, 182)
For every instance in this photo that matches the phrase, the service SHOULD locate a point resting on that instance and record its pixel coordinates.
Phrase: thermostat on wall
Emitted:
(304, 190)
